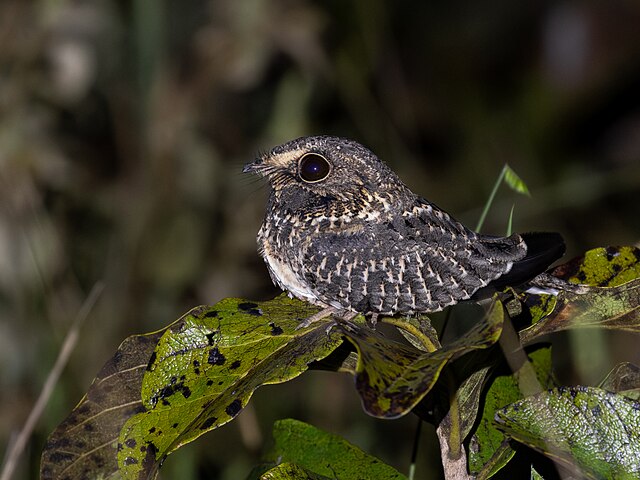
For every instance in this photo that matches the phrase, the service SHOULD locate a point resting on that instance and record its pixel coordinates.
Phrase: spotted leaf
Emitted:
(611, 299)
(392, 378)
(592, 431)
(87, 440)
(206, 367)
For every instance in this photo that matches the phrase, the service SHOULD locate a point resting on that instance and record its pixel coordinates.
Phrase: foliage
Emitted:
(125, 124)
(320, 453)
(589, 429)
(165, 389)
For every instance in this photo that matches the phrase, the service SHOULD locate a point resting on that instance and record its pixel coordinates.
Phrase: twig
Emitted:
(414, 451)
(492, 196)
(453, 463)
(16, 449)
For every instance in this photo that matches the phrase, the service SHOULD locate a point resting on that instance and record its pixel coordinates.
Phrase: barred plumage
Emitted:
(343, 231)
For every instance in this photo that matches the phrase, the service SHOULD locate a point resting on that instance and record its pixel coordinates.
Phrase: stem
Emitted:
(487, 205)
(454, 440)
(454, 464)
(70, 341)
(510, 223)
(414, 451)
(429, 346)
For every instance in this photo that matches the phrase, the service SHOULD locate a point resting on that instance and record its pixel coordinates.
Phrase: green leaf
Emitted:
(538, 306)
(616, 308)
(417, 331)
(599, 267)
(87, 440)
(602, 267)
(392, 378)
(468, 400)
(343, 359)
(623, 379)
(535, 475)
(588, 429)
(456, 424)
(609, 299)
(489, 449)
(514, 182)
(206, 367)
(325, 454)
(291, 471)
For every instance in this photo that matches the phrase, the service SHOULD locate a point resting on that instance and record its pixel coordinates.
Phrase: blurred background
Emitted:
(124, 127)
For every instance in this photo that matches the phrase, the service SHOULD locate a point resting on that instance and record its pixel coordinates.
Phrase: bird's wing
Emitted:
(419, 260)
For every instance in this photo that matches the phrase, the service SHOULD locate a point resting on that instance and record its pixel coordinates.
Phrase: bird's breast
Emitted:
(286, 276)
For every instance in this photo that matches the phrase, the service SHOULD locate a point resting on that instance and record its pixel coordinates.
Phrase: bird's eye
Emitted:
(313, 168)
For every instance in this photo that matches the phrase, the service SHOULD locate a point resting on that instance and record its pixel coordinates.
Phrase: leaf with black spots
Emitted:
(616, 308)
(392, 378)
(602, 267)
(87, 440)
(207, 367)
(608, 296)
(592, 431)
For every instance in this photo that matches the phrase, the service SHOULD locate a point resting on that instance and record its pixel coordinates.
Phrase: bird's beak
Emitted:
(249, 168)
(253, 167)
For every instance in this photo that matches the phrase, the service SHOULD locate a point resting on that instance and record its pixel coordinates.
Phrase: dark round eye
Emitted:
(313, 168)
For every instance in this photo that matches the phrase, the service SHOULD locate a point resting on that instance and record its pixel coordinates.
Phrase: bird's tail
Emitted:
(543, 248)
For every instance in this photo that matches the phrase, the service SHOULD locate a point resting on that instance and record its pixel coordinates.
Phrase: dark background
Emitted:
(124, 127)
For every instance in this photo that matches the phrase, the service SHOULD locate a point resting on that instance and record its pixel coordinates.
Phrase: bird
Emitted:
(343, 232)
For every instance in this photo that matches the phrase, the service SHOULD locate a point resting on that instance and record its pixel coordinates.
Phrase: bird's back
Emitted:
(418, 259)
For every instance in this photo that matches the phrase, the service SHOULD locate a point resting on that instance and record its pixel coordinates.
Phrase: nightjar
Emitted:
(343, 232)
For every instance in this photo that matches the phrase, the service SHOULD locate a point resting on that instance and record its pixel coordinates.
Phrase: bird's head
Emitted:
(323, 167)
